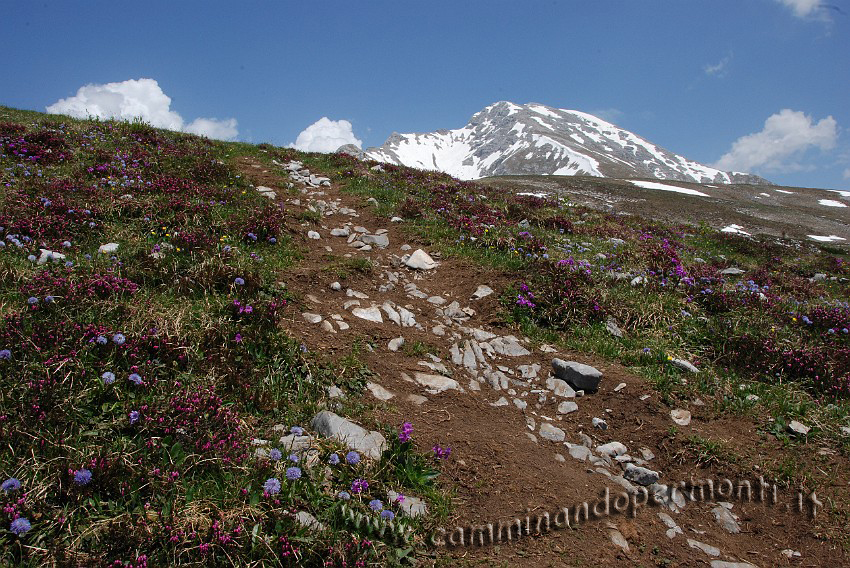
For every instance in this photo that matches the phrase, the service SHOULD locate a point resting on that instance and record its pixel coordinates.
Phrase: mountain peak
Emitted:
(506, 138)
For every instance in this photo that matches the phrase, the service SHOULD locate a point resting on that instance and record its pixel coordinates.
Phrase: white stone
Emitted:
(680, 416)
(420, 260)
(395, 344)
(108, 248)
(567, 407)
(436, 384)
(378, 391)
(551, 432)
(481, 292)
(311, 318)
(372, 314)
(330, 425)
(313, 235)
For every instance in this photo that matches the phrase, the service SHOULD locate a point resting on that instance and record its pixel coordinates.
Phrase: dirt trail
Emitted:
(496, 399)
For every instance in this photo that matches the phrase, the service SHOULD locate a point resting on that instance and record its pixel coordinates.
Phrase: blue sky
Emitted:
(761, 84)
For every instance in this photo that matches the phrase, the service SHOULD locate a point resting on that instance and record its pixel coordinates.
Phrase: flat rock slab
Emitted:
(331, 425)
(372, 314)
(551, 432)
(482, 292)
(707, 548)
(611, 449)
(436, 384)
(580, 376)
(409, 506)
(560, 388)
(567, 407)
(798, 428)
(725, 518)
(509, 346)
(380, 241)
(378, 391)
(724, 564)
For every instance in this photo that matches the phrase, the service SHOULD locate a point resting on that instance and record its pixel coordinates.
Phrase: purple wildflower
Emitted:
(334, 459)
(406, 431)
(344, 495)
(293, 458)
(296, 431)
(5, 354)
(440, 452)
(82, 477)
(20, 526)
(293, 473)
(239, 282)
(119, 339)
(272, 486)
(275, 454)
(388, 515)
(108, 377)
(32, 300)
(352, 457)
(135, 378)
(101, 340)
(359, 485)
(134, 416)
(11, 484)
(376, 505)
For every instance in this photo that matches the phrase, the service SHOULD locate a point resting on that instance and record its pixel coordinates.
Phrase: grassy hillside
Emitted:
(143, 358)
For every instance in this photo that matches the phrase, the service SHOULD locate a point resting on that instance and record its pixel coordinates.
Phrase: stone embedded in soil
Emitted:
(670, 497)
(725, 518)
(724, 564)
(672, 528)
(341, 232)
(618, 539)
(331, 425)
(308, 521)
(680, 416)
(640, 475)
(560, 388)
(707, 548)
(612, 328)
(684, 365)
(732, 271)
(551, 432)
(313, 235)
(293, 443)
(395, 344)
(529, 371)
(798, 428)
(108, 248)
(328, 326)
(501, 402)
(372, 314)
(482, 292)
(420, 260)
(567, 407)
(509, 346)
(49, 255)
(580, 376)
(619, 387)
(599, 423)
(579, 452)
(380, 241)
(416, 399)
(611, 449)
(436, 384)
(311, 318)
(845, 430)
(378, 391)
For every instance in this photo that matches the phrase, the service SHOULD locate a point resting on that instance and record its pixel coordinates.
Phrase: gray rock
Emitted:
(307, 520)
(684, 365)
(372, 314)
(618, 539)
(551, 432)
(380, 241)
(724, 564)
(436, 384)
(845, 430)
(579, 452)
(501, 402)
(335, 392)
(680, 416)
(336, 286)
(707, 548)
(599, 423)
(378, 391)
(580, 376)
(669, 497)
(313, 235)
(108, 248)
(732, 271)
(409, 506)
(672, 528)
(420, 260)
(481, 292)
(567, 407)
(798, 428)
(330, 425)
(637, 281)
(560, 388)
(641, 475)
(725, 518)
(509, 346)
(49, 255)
(611, 449)
(416, 399)
(612, 328)
(293, 443)
(343, 232)
(395, 344)
(311, 318)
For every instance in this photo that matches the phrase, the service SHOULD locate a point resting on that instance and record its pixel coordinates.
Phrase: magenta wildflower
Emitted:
(406, 431)
(359, 485)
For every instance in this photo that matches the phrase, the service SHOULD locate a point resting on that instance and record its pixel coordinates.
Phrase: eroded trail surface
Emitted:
(524, 441)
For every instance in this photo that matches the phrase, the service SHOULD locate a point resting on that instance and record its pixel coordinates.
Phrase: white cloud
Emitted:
(214, 128)
(785, 137)
(847, 173)
(719, 68)
(138, 98)
(807, 9)
(325, 135)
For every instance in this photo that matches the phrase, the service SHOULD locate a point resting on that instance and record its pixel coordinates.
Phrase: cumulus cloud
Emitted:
(138, 98)
(214, 128)
(325, 135)
(784, 139)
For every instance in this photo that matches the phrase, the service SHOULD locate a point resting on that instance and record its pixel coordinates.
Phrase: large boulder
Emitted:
(331, 425)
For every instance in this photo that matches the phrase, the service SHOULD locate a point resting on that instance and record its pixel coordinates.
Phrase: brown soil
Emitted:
(498, 472)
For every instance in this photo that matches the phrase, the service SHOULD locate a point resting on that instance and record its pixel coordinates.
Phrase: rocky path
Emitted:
(532, 429)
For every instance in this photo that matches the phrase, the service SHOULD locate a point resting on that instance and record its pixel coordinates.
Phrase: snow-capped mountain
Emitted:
(506, 138)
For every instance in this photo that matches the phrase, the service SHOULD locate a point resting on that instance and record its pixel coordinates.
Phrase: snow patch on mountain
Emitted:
(510, 139)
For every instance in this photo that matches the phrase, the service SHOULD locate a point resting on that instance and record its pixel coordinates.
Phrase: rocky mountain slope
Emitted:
(509, 139)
